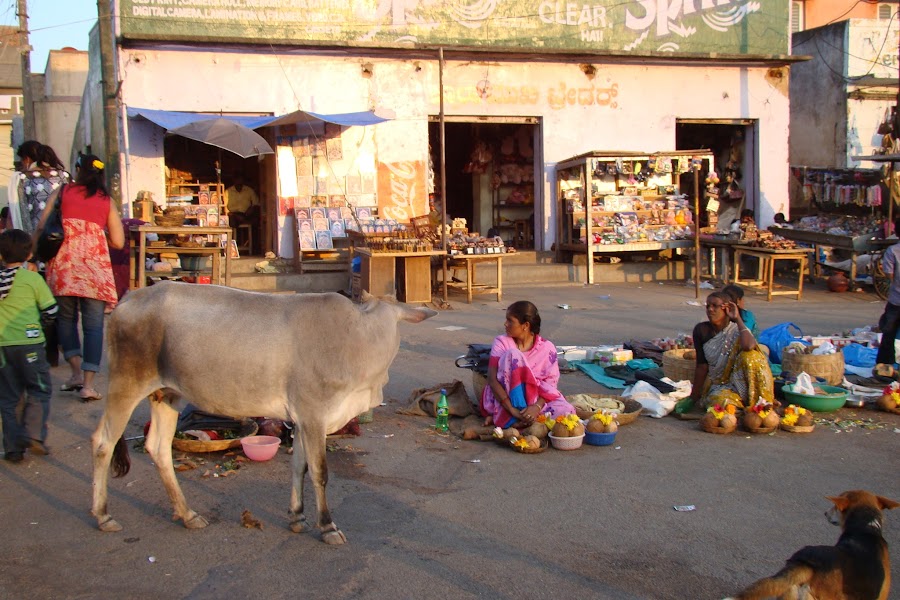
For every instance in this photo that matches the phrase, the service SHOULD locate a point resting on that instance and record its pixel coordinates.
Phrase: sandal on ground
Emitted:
(72, 385)
(87, 395)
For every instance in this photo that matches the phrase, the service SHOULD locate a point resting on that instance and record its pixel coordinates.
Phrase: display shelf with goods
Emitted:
(203, 203)
(852, 209)
(513, 203)
(635, 204)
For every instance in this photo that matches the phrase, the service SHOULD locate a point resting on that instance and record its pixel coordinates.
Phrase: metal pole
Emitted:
(28, 124)
(110, 92)
(443, 171)
(696, 229)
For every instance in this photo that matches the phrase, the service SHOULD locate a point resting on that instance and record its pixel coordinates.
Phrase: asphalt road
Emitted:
(432, 516)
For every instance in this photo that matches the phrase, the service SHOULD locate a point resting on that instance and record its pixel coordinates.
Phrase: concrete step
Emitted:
(518, 269)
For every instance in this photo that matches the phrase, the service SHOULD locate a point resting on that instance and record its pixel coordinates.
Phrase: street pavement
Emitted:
(432, 516)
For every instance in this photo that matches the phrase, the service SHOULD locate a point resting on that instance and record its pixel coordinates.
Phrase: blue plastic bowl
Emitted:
(599, 439)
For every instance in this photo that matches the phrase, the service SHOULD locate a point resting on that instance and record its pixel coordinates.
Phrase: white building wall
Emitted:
(618, 108)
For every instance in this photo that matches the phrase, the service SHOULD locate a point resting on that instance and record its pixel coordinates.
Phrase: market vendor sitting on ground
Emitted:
(523, 373)
(731, 369)
(242, 203)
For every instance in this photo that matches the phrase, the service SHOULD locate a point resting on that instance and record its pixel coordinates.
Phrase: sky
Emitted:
(53, 24)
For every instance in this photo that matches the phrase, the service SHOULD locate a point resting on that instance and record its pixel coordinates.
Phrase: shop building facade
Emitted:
(561, 79)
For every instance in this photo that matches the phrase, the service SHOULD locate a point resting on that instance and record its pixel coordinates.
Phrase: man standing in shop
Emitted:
(889, 323)
(243, 206)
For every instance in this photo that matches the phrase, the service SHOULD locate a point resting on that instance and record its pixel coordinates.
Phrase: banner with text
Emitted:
(743, 27)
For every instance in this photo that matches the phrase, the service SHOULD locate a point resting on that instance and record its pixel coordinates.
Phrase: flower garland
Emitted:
(792, 414)
(720, 411)
(893, 391)
(762, 408)
(570, 421)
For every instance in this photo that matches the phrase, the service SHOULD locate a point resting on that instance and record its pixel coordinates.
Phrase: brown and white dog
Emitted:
(856, 568)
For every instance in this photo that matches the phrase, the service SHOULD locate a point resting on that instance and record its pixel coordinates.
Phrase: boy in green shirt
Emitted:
(26, 304)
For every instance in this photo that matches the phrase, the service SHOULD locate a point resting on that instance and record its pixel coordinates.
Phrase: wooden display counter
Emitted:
(140, 250)
(407, 275)
(720, 252)
(469, 261)
(766, 272)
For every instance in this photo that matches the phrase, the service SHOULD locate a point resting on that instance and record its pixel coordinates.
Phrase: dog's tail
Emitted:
(791, 576)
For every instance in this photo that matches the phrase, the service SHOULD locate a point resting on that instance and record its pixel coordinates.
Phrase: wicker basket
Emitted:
(566, 443)
(628, 415)
(170, 219)
(798, 428)
(828, 366)
(676, 367)
(248, 427)
(544, 444)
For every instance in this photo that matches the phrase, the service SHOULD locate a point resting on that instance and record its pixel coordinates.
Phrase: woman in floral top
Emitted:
(42, 174)
(81, 276)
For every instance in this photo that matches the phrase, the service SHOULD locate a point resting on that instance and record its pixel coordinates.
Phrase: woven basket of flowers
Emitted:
(890, 399)
(719, 419)
(797, 419)
(761, 418)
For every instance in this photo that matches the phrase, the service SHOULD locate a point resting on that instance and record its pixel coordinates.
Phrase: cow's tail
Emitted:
(121, 463)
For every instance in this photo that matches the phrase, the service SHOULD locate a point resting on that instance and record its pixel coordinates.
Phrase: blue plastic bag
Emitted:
(778, 337)
(859, 356)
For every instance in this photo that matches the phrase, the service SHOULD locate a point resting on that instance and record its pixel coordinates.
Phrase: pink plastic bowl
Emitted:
(260, 447)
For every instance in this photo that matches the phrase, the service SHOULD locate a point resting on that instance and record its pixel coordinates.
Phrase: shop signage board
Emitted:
(736, 27)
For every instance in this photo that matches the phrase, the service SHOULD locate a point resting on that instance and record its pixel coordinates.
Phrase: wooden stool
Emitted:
(248, 229)
(523, 232)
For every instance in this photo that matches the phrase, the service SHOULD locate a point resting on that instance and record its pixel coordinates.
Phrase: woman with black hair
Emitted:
(523, 373)
(40, 175)
(81, 275)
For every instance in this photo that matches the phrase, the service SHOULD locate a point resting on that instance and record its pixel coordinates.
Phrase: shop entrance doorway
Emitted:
(491, 167)
(192, 162)
(733, 143)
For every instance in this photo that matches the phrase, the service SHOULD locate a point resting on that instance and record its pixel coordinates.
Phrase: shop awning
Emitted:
(170, 119)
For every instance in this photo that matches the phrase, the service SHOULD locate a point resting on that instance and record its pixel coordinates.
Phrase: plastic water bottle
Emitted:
(443, 413)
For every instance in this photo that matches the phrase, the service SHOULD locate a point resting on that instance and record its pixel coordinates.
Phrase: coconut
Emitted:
(886, 402)
(533, 442)
(690, 355)
(595, 426)
(752, 420)
(612, 427)
(511, 433)
(805, 420)
(538, 430)
(560, 430)
(884, 370)
(728, 421)
(577, 430)
(709, 420)
(772, 419)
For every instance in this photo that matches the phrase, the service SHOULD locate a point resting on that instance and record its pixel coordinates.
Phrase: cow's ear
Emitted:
(365, 296)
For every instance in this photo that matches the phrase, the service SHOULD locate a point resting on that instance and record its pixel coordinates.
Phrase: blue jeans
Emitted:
(24, 370)
(91, 325)
(889, 324)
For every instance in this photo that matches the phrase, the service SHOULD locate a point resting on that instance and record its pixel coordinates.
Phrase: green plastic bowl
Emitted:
(817, 403)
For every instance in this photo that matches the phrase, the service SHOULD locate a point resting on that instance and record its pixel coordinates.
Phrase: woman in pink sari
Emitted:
(522, 373)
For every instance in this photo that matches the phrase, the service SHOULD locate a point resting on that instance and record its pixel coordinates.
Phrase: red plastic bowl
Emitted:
(260, 447)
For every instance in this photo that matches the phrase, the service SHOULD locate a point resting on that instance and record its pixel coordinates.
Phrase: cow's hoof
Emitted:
(195, 522)
(334, 538)
(109, 525)
(298, 526)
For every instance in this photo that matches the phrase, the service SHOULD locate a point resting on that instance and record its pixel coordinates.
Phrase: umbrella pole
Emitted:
(697, 230)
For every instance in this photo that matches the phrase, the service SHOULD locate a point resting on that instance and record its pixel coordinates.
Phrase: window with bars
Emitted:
(885, 10)
(797, 23)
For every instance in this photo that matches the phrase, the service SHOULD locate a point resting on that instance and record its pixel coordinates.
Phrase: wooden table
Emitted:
(469, 261)
(721, 257)
(406, 275)
(140, 251)
(765, 275)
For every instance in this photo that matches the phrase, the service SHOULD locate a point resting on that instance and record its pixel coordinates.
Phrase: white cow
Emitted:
(317, 360)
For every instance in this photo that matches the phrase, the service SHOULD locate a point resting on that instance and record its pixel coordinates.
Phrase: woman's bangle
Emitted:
(743, 329)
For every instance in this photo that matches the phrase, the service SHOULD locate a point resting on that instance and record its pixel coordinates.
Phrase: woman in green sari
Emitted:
(731, 369)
